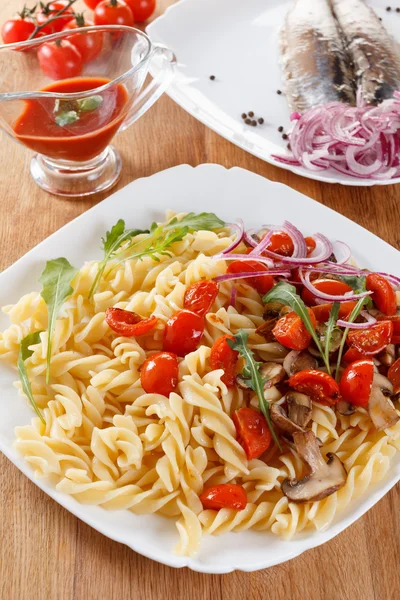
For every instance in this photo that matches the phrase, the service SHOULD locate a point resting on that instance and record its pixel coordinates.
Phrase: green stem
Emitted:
(353, 315)
(58, 14)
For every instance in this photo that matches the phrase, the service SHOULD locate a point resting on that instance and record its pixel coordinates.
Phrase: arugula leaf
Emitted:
(356, 282)
(56, 279)
(251, 373)
(24, 353)
(333, 317)
(67, 118)
(352, 317)
(203, 221)
(89, 104)
(158, 246)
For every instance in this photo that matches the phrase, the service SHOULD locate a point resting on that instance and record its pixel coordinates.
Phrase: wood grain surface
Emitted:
(48, 554)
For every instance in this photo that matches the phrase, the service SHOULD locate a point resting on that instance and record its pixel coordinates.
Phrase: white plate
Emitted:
(143, 201)
(237, 41)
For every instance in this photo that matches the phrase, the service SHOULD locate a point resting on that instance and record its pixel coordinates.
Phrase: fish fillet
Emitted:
(314, 60)
(374, 53)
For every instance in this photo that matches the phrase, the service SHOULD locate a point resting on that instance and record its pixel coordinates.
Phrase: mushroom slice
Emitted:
(345, 408)
(242, 383)
(381, 409)
(324, 478)
(272, 310)
(273, 373)
(299, 408)
(266, 329)
(297, 361)
(281, 420)
(387, 356)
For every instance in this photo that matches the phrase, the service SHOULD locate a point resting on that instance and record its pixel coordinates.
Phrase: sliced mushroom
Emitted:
(297, 361)
(266, 329)
(273, 373)
(242, 383)
(281, 420)
(299, 408)
(345, 408)
(323, 479)
(387, 356)
(272, 310)
(335, 339)
(381, 409)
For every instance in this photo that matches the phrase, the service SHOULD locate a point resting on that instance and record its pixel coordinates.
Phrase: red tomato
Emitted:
(371, 340)
(311, 245)
(127, 323)
(225, 495)
(395, 319)
(223, 357)
(17, 30)
(252, 431)
(92, 3)
(281, 243)
(322, 311)
(262, 284)
(351, 355)
(200, 296)
(394, 376)
(183, 332)
(291, 332)
(113, 12)
(383, 295)
(320, 386)
(159, 373)
(49, 11)
(88, 44)
(60, 60)
(395, 339)
(356, 382)
(327, 286)
(141, 9)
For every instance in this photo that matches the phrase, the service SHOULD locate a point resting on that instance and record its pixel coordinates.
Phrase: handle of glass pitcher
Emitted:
(151, 93)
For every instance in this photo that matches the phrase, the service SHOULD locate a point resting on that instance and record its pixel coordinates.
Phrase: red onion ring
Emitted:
(299, 243)
(247, 275)
(248, 238)
(341, 251)
(322, 252)
(232, 300)
(305, 279)
(239, 230)
(370, 320)
(246, 258)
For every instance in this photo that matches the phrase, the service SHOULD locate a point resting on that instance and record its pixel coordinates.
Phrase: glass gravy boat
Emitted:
(68, 116)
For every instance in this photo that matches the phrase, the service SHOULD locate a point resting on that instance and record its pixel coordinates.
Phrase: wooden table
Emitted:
(48, 554)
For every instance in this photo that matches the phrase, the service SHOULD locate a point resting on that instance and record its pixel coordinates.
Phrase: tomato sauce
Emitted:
(81, 140)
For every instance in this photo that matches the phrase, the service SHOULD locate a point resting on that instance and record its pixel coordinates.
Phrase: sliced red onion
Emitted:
(321, 253)
(299, 244)
(245, 258)
(239, 231)
(341, 251)
(247, 275)
(370, 320)
(232, 300)
(305, 279)
(248, 238)
(295, 116)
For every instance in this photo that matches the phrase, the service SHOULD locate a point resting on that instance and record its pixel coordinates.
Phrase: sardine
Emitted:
(314, 61)
(374, 53)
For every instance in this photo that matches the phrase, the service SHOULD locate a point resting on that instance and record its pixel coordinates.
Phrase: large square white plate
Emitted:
(205, 188)
(238, 42)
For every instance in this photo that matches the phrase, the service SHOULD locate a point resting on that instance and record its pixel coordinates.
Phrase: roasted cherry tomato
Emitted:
(291, 332)
(92, 3)
(17, 30)
(384, 296)
(183, 332)
(262, 284)
(322, 311)
(89, 44)
(395, 339)
(225, 495)
(327, 286)
(60, 60)
(356, 382)
(311, 245)
(127, 323)
(253, 433)
(395, 319)
(223, 357)
(281, 243)
(320, 386)
(50, 10)
(351, 355)
(200, 296)
(141, 9)
(394, 376)
(371, 340)
(159, 373)
(113, 12)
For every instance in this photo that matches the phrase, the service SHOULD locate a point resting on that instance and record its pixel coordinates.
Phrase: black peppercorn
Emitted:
(248, 121)
(285, 136)
(280, 129)
(279, 92)
(251, 114)
(254, 123)
(388, 8)
(212, 77)
(261, 120)
(244, 116)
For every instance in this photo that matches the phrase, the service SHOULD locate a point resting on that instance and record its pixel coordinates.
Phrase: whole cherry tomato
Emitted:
(322, 311)
(50, 10)
(291, 332)
(127, 323)
(200, 296)
(384, 296)
(113, 12)
(327, 286)
(92, 3)
(281, 243)
(60, 60)
(89, 44)
(183, 332)
(17, 30)
(320, 386)
(223, 357)
(262, 284)
(159, 373)
(394, 376)
(371, 340)
(311, 245)
(141, 9)
(356, 382)
(253, 433)
(225, 495)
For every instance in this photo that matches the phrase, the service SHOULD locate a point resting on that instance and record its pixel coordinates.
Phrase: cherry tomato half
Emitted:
(384, 296)
(113, 12)
(327, 286)
(200, 296)
(60, 60)
(262, 284)
(225, 495)
(141, 9)
(223, 357)
(159, 373)
(371, 340)
(89, 44)
(356, 382)
(127, 323)
(281, 243)
(395, 319)
(49, 11)
(183, 332)
(17, 30)
(351, 355)
(253, 433)
(291, 332)
(394, 376)
(311, 245)
(322, 311)
(320, 386)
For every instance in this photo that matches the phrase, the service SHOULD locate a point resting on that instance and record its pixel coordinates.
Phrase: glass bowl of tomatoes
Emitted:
(67, 94)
